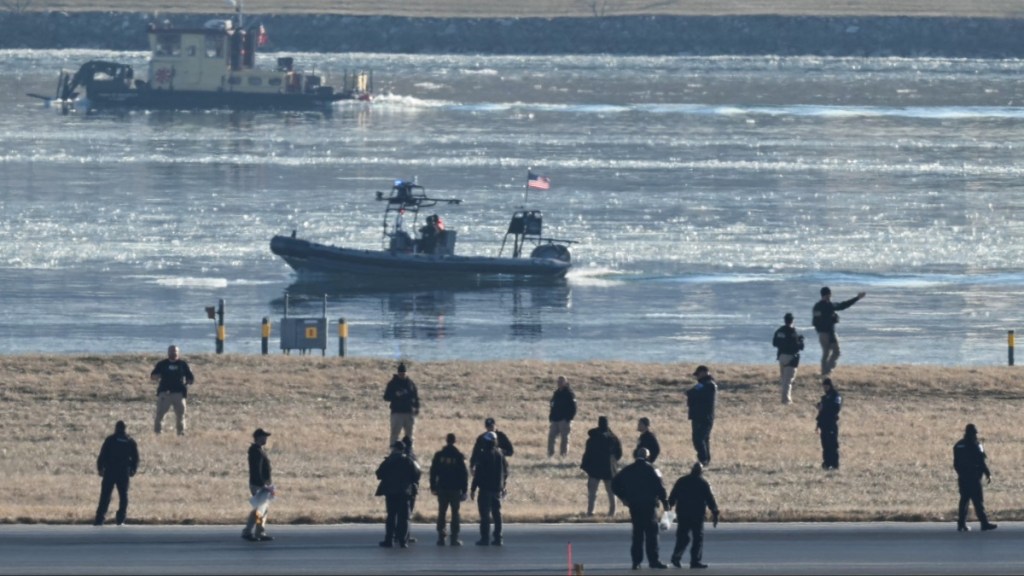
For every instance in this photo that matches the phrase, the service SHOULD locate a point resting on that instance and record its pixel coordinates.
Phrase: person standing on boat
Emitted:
(405, 404)
(824, 318)
(563, 410)
(430, 233)
(175, 377)
(788, 343)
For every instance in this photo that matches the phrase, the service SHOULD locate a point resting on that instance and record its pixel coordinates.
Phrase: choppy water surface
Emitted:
(709, 196)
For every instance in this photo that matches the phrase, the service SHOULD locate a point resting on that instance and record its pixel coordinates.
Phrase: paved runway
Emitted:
(840, 548)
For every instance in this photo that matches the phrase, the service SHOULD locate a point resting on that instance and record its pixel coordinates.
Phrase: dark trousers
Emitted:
(702, 439)
(830, 446)
(645, 533)
(970, 492)
(489, 506)
(110, 481)
(396, 526)
(688, 526)
(446, 499)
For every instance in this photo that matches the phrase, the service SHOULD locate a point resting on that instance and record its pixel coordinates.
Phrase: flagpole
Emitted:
(526, 193)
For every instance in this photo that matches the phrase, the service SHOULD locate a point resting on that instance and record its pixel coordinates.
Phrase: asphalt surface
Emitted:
(819, 548)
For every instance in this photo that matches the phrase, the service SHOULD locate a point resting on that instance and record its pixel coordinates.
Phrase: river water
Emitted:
(708, 197)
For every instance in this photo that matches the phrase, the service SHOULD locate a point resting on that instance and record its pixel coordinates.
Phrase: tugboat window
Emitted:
(214, 47)
(169, 45)
(255, 81)
(274, 82)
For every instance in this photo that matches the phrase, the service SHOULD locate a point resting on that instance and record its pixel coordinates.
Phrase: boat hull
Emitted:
(207, 100)
(365, 266)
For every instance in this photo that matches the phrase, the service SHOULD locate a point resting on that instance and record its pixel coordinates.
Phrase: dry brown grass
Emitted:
(565, 8)
(330, 424)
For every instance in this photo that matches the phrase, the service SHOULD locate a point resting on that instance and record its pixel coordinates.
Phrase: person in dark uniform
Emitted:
(489, 477)
(117, 462)
(969, 463)
(449, 481)
(601, 461)
(692, 496)
(788, 344)
(259, 479)
(700, 408)
(560, 416)
(828, 425)
(405, 404)
(647, 439)
(824, 318)
(504, 444)
(398, 474)
(639, 487)
(175, 377)
(407, 442)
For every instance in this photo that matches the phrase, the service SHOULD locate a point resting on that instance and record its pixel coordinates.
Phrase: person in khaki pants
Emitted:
(563, 410)
(175, 377)
(405, 404)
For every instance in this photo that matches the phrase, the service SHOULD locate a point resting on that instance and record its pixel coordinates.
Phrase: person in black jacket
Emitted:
(259, 479)
(398, 474)
(788, 343)
(824, 318)
(405, 404)
(489, 477)
(692, 496)
(640, 489)
(828, 425)
(504, 444)
(175, 377)
(969, 463)
(449, 481)
(563, 410)
(647, 439)
(117, 462)
(601, 461)
(700, 409)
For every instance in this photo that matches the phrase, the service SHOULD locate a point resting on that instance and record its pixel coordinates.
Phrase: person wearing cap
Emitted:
(824, 317)
(700, 409)
(561, 413)
(639, 487)
(449, 481)
(174, 377)
(504, 444)
(828, 425)
(788, 343)
(259, 479)
(489, 478)
(405, 404)
(398, 475)
(601, 461)
(117, 462)
(691, 496)
(969, 463)
(648, 439)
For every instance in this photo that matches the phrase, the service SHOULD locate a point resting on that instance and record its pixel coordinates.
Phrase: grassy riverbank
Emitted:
(330, 424)
(547, 9)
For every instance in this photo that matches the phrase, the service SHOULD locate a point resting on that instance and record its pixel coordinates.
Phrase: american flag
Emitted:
(537, 182)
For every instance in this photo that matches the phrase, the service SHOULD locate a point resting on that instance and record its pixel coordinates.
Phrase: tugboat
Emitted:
(428, 257)
(213, 67)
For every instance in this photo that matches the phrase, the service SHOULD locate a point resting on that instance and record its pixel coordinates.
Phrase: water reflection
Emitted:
(436, 313)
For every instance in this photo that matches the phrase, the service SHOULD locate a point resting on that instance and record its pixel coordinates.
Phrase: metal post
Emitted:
(221, 333)
(342, 336)
(1009, 346)
(265, 342)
